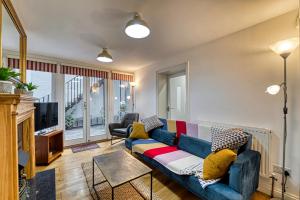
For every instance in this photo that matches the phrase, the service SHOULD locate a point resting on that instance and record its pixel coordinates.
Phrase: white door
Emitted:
(85, 108)
(177, 96)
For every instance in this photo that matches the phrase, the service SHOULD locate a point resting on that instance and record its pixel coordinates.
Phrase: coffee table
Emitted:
(118, 168)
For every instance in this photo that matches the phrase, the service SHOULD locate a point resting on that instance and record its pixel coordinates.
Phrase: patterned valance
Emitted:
(64, 69)
(33, 65)
(122, 77)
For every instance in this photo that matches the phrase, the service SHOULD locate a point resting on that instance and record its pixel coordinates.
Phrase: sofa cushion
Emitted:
(216, 164)
(198, 147)
(232, 138)
(163, 136)
(120, 130)
(152, 123)
(138, 131)
(165, 124)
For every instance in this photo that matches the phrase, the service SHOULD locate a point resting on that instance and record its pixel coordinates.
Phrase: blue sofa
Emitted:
(240, 182)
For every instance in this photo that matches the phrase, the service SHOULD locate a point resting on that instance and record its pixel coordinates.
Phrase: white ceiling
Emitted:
(78, 29)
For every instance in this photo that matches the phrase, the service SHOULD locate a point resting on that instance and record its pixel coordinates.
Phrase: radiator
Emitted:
(261, 141)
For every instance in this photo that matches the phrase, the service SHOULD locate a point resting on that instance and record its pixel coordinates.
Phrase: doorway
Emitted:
(84, 109)
(172, 93)
(177, 96)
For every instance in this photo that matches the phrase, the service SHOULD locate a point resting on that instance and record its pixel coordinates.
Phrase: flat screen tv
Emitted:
(46, 115)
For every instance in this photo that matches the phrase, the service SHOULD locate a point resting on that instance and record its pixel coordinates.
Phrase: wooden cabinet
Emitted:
(48, 147)
(15, 110)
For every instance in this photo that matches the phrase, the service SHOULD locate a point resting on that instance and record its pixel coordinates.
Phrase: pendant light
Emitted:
(104, 56)
(137, 28)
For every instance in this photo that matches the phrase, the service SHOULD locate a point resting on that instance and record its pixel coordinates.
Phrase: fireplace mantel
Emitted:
(15, 110)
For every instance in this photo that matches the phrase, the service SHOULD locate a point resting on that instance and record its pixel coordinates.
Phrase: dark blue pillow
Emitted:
(163, 136)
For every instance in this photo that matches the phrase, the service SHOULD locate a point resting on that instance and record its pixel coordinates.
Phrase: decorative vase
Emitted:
(29, 93)
(6, 87)
(20, 91)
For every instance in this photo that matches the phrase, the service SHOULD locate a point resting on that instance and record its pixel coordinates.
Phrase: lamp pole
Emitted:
(283, 48)
(285, 112)
(133, 97)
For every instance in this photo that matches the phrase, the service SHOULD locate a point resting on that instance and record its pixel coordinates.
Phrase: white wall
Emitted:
(227, 80)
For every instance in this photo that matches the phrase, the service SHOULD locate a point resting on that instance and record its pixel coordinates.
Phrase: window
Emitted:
(45, 90)
(122, 99)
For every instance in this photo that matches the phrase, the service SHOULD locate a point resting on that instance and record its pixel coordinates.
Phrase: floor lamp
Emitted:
(283, 48)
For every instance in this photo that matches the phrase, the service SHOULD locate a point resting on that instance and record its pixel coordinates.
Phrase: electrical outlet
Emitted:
(278, 169)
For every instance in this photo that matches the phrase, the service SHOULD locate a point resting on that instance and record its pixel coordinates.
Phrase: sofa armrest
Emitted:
(112, 126)
(129, 130)
(244, 173)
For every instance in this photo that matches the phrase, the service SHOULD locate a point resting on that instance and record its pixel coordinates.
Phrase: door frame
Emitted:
(86, 118)
(174, 69)
(177, 74)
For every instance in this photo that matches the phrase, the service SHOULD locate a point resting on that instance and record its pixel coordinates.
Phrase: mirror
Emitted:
(10, 39)
(14, 39)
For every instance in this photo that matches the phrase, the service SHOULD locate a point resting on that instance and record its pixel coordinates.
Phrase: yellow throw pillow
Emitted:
(138, 131)
(216, 164)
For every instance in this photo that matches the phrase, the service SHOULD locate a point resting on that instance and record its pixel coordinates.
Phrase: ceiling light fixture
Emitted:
(104, 56)
(137, 28)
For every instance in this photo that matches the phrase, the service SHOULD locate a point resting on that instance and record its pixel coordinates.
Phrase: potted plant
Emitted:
(6, 86)
(30, 88)
(20, 88)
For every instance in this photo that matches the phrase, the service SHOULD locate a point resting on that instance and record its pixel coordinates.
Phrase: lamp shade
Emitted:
(137, 28)
(104, 56)
(133, 84)
(273, 89)
(285, 47)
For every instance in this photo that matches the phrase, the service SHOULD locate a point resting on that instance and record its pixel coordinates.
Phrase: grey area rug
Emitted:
(45, 182)
(42, 187)
(84, 147)
(122, 192)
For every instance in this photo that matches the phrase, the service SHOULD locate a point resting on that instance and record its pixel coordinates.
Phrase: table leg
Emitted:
(151, 185)
(112, 193)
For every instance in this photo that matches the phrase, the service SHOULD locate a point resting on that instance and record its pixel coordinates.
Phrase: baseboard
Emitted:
(265, 187)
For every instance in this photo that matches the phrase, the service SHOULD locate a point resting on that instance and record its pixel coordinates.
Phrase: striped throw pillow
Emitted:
(151, 123)
(232, 138)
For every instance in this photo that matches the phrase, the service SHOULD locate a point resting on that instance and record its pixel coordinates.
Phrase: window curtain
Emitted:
(64, 69)
(122, 76)
(33, 65)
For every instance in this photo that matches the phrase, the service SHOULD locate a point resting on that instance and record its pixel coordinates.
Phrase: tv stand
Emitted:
(48, 147)
(45, 131)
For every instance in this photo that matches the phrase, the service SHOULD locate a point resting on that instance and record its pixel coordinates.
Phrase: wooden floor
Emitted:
(71, 184)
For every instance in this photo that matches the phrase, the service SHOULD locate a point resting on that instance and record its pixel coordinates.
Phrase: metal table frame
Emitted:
(128, 181)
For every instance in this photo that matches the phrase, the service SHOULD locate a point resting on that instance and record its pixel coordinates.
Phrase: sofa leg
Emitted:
(111, 140)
